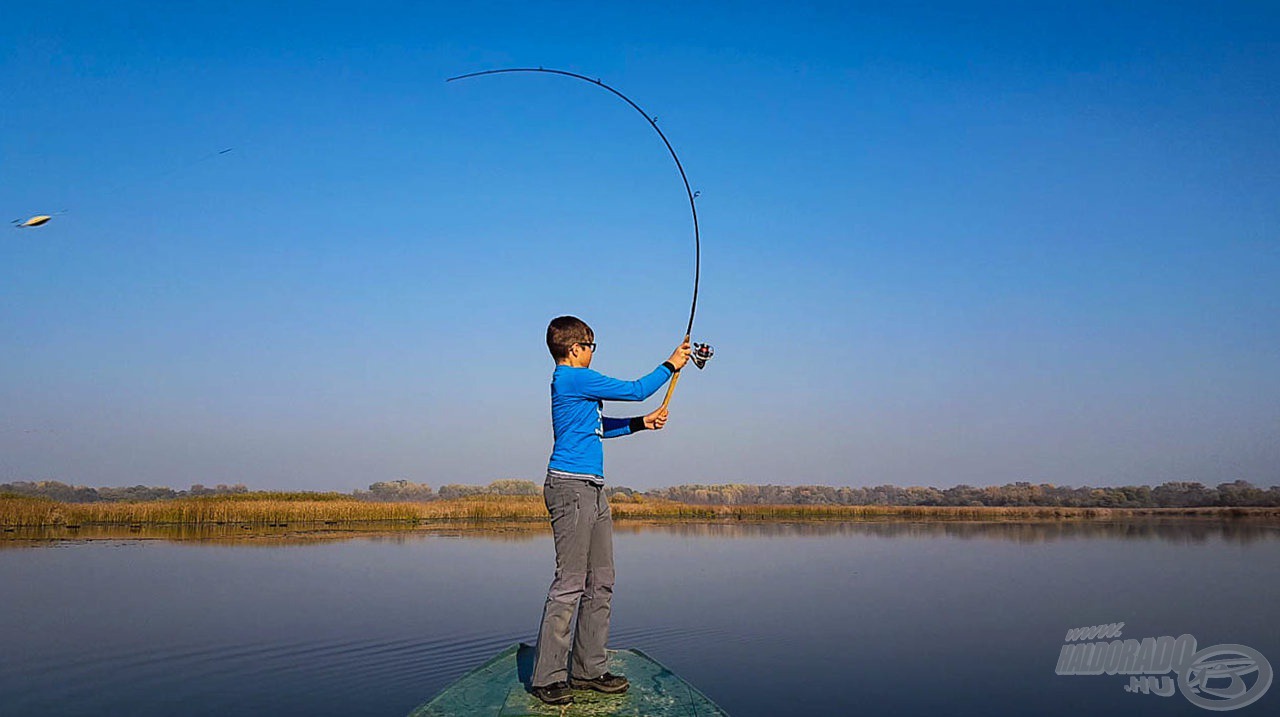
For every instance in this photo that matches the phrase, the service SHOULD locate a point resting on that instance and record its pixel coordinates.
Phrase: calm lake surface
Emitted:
(826, 618)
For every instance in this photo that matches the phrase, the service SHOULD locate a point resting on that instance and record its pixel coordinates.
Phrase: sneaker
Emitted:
(556, 693)
(608, 682)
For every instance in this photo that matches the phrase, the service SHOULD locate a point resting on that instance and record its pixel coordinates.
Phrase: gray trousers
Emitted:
(583, 529)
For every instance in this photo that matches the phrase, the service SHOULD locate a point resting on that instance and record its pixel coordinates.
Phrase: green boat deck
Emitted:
(499, 688)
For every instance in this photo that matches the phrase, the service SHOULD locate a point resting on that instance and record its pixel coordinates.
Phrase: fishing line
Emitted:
(37, 220)
(701, 352)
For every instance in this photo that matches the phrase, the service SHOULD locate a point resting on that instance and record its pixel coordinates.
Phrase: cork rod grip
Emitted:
(671, 388)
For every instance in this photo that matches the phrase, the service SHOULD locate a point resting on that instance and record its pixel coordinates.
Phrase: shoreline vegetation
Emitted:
(52, 504)
(1175, 494)
(269, 509)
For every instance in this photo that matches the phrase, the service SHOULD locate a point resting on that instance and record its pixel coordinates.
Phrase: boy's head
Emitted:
(570, 340)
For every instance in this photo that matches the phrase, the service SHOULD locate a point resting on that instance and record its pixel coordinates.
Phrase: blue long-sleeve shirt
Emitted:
(578, 420)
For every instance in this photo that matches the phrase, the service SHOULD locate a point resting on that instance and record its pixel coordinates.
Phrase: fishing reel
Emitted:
(701, 354)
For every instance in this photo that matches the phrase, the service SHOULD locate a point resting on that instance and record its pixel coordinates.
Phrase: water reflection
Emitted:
(1170, 530)
(884, 617)
(1173, 530)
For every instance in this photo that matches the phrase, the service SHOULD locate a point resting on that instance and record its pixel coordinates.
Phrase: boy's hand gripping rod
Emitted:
(701, 352)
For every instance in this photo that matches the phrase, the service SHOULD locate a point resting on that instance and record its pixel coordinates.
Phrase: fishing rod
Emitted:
(701, 352)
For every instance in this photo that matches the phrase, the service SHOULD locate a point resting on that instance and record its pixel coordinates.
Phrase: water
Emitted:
(830, 618)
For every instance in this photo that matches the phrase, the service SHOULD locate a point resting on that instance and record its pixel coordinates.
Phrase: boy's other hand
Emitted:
(681, 356)
(656, 420)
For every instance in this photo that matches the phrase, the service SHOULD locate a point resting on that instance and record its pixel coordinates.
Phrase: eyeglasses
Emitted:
(588, 345)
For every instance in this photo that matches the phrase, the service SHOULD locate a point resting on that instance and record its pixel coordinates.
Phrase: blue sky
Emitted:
(942, 243)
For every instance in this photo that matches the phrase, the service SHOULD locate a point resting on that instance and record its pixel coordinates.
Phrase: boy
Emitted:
(580, 519)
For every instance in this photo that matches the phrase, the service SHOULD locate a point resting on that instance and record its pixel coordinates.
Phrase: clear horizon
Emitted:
(953, 243)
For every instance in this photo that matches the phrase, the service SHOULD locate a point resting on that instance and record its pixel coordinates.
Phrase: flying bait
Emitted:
(32, 222)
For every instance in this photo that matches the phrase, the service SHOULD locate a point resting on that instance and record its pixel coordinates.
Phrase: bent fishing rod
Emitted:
(701, 352)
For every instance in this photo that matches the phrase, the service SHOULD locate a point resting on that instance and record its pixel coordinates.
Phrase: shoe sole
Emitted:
(566, 700)
(577, 685)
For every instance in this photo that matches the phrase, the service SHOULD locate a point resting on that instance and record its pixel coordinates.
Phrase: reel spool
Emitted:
(701, 354)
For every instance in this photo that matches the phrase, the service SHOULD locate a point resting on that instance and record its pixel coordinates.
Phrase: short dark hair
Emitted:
(565, 331)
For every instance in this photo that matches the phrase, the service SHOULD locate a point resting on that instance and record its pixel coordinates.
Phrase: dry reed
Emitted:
(281, 508)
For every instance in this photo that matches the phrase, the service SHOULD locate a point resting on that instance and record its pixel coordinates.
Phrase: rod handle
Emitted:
(671, 387)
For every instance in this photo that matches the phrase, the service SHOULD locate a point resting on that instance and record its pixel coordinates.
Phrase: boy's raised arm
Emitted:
(604, 388)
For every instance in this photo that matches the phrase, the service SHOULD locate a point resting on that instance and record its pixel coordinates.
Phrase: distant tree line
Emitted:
(396, 491)
(1167, 495)
(404, 490)
(1178, 494)
(81, 494)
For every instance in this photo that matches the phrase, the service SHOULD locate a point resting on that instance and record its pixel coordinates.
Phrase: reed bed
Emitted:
(246, 509)
(284, 508)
